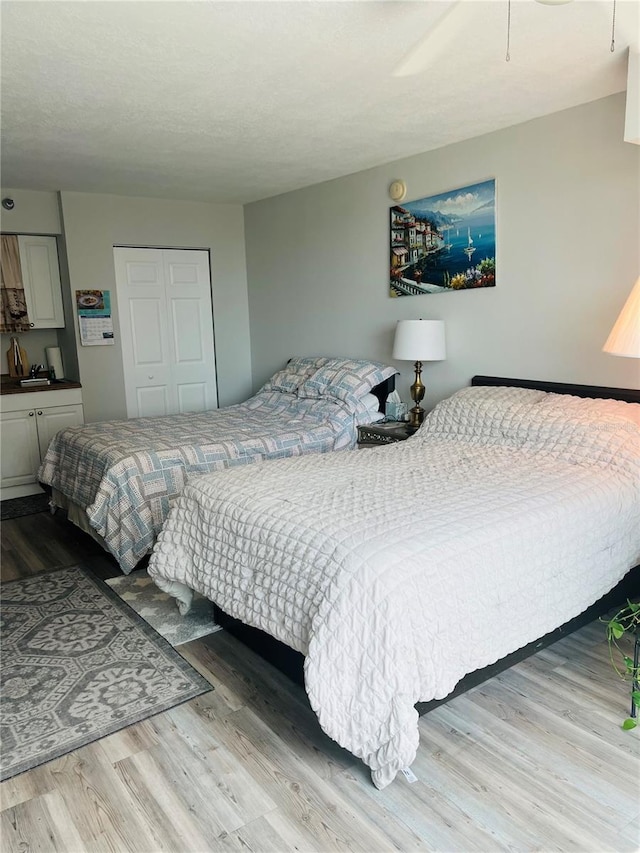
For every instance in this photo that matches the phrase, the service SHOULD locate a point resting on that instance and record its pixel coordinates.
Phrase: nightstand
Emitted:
(383, 432)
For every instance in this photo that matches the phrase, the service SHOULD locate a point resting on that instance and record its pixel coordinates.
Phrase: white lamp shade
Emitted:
(419, 340)
(625, 335)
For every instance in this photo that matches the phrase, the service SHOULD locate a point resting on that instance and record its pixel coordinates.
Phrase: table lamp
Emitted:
(625, 335)
(418, 341)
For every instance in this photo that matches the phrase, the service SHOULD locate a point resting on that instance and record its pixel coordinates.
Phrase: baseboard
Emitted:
(9, 492)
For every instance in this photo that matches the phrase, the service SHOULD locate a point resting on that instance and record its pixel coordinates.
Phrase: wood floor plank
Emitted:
(43, 825)
(171, 814)
(561, 815)
(42, 542)
(268, 834)
(566, 743)
(298, 791)
(223, 779)
(99, 805)
(128, 741)
(566, 757)
(259, 686)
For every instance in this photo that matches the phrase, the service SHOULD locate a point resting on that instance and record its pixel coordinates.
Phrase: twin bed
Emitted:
(118, 479)
(398, 570)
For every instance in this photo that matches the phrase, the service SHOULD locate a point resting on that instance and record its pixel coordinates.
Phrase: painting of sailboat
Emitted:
(444, 242)
(469, 248)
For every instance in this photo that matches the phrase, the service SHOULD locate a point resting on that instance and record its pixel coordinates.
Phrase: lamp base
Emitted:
(416, 416)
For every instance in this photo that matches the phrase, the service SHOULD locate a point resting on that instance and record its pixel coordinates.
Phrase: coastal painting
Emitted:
(444, 242)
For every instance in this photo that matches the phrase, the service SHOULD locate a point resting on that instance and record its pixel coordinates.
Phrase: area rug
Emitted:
(78, 664)
(29, 505)
(161, 611)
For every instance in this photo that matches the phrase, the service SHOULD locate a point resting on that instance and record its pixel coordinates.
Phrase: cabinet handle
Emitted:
(150, 376)
(31, 414)
(39, 413)
(32, 325)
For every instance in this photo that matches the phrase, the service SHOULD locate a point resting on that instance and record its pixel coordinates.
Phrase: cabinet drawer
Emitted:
(40, 399)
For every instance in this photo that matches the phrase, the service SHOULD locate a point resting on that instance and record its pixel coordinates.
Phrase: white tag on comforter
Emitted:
(409, 775)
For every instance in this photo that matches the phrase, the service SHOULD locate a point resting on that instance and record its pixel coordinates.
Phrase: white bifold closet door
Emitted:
(166, 325)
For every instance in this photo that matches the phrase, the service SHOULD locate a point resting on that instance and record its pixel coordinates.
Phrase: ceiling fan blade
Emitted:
(436, 40)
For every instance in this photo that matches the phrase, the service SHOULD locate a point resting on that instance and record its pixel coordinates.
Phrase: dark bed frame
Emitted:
(291, 663)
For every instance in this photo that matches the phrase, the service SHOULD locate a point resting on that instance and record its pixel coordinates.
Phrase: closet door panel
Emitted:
(188, 289)
(146, 351)
(165, 311)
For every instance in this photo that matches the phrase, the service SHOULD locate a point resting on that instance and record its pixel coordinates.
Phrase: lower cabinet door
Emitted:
(20, 452)
(54, 418)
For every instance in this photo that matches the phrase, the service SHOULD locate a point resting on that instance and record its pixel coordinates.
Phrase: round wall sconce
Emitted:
(397, 190)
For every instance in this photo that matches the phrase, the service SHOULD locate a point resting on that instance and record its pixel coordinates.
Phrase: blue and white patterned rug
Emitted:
(78, 664)
(161, 611)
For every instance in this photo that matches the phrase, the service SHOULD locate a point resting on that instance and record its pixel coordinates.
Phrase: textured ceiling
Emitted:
(237, 101)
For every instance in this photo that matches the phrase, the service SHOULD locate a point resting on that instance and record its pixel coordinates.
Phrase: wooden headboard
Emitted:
(383, 390)
(628, 395)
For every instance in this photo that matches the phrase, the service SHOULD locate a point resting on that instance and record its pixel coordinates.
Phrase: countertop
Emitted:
(10, 385)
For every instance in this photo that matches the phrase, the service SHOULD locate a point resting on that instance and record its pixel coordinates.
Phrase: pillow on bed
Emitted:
(597, 432)
(483, 413)
(371, 402)
(370, 409)
(294, 373)
(345, 379)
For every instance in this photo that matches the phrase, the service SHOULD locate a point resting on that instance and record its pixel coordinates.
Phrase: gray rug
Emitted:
(160, 610)
(78, 664)
(30, 505)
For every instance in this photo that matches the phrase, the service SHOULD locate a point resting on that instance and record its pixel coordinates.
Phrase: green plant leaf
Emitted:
(629, 724)
(636, 697)
(616, 629)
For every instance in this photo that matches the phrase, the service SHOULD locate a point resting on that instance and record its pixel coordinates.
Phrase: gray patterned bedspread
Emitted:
(126, 474)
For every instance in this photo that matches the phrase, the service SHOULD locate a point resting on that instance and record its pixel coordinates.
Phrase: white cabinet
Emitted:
(28, 422)
(41, 281)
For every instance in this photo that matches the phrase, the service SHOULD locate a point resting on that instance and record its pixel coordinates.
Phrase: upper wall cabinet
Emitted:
(41, 281)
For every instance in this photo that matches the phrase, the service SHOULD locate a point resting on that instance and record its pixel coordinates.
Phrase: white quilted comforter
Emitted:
(398, 570)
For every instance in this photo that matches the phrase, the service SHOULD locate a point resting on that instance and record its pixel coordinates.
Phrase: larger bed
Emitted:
(118, 479)
(396, 571)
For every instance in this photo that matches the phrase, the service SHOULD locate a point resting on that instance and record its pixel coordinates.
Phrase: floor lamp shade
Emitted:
(419, 340)
(625, 335)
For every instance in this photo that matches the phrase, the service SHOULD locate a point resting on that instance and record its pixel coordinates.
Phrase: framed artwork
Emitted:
(444, 242)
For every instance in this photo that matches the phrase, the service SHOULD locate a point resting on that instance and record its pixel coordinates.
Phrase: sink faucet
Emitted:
(35, 369)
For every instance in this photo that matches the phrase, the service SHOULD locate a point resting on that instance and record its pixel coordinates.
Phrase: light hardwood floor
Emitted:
(532, 760)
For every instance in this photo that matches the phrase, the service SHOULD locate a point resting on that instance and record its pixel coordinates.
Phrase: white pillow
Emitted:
(371, 402)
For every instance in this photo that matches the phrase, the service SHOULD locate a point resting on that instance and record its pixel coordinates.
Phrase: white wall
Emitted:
(34, 212)
(94, 223)
(568, 224)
